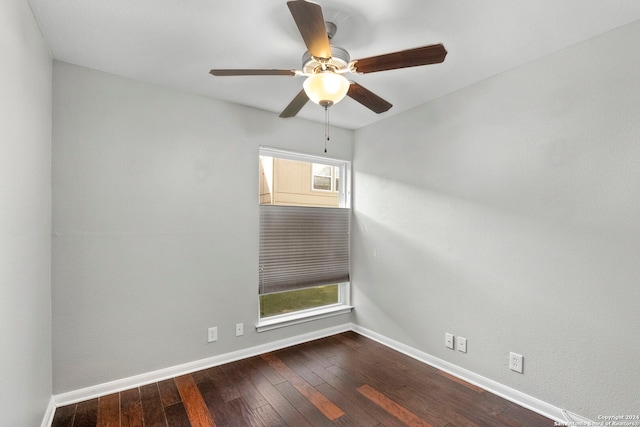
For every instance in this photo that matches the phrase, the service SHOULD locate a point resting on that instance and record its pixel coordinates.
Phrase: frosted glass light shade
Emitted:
(326, 88)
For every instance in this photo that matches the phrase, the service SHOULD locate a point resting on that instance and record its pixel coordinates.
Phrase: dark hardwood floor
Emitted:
(343, 380)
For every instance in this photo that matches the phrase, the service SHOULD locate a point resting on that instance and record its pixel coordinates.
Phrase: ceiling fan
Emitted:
(325, 64)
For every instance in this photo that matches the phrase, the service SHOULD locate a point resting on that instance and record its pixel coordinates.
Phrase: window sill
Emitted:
(284, 320)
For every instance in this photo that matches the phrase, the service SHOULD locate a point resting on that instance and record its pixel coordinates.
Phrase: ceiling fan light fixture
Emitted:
(326, 88)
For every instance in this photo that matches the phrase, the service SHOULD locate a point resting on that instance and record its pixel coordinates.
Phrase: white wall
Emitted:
(25, 218)
(509, 213)
(156, 224)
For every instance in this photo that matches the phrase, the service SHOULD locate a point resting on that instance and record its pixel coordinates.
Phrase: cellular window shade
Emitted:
(302, 246)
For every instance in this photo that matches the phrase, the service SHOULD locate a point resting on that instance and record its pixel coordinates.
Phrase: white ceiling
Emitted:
(175, 43)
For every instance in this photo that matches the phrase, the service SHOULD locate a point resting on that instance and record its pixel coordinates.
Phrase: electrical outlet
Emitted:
(212, 334)
(462, 344)
(448, 340)
(515, 362)
(239, 329)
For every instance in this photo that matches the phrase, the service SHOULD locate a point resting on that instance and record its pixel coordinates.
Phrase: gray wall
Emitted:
(508, 213)
(156, 224)
(25, 218)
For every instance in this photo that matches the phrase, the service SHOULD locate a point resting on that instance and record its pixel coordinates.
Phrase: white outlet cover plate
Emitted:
(462, 344)
(212, 334)
(515, 362)
(448, 340)
(239, 329)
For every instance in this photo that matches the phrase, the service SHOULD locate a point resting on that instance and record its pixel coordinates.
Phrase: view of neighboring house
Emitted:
(291, 182)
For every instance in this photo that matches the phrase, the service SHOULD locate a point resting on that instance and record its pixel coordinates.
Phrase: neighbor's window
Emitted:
(325, 177)
(304, 236)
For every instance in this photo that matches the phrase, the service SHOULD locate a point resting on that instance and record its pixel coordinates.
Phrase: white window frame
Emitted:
(344, 289)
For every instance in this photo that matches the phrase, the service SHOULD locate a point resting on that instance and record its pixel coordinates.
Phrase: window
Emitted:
(304, 237)
(325, 177)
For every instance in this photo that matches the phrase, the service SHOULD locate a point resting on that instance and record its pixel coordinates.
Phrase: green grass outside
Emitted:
(286, 302)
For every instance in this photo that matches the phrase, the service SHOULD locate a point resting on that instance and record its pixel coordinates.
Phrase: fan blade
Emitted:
(241, 72)
(367, 98)
(295, 105)
(425, 55)
(310, 22)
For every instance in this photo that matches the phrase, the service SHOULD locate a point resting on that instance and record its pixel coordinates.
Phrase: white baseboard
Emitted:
(186, 368)
(48, 414)
(543, 408)
(550, 411)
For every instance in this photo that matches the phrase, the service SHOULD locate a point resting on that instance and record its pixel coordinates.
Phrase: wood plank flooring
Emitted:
(343, 380)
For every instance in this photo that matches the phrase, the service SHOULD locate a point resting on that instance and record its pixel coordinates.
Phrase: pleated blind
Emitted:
(302, 246)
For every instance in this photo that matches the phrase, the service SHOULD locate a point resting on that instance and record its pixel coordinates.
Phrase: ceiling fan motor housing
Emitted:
(339, 61)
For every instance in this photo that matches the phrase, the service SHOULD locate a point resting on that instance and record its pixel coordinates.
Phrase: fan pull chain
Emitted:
(326, 127)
